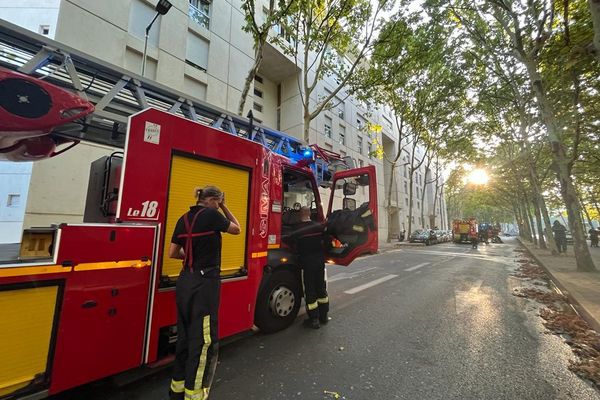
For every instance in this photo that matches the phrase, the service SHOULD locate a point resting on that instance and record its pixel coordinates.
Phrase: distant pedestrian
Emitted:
(593, 237)
(402, 235)
(560, 236)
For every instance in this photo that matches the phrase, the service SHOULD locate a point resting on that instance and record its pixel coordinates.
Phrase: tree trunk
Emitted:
(548, 227)
(595, 11)
(521, 222)
(410, 200)
(538, 220)
(541, 204)
(423, 202)
(258, 57)
(587, 216)
(562, 168)
(389, 201)
(435, 198)
(534, 235)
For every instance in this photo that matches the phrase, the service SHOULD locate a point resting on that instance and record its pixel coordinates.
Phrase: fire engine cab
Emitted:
(90, 300)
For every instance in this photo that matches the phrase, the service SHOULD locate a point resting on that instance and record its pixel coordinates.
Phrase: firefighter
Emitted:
(197, 241)
(310, 240)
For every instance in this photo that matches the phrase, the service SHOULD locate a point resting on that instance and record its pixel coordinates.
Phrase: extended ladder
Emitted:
(117, 94)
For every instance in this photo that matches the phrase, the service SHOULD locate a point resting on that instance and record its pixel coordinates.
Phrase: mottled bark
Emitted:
(595, 11)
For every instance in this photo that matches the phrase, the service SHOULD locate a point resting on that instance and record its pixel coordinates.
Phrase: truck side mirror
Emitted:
(349, 189)
(349, 204)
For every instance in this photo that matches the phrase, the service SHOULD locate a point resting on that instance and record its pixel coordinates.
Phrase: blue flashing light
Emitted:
(307, 153)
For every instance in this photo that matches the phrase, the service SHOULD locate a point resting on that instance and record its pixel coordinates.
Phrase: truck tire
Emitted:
(278, 302)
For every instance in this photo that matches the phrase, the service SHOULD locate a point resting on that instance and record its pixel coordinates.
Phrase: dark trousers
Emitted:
(561, 244)
(315, 290)
(197, 349)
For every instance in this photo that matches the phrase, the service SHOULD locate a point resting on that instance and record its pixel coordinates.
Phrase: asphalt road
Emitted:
(435, 322)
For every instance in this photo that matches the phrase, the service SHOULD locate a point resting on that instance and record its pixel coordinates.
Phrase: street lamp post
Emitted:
(162, 7)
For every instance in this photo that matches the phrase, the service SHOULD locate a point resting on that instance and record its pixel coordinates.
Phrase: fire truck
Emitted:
(463, 230)
(94, 299)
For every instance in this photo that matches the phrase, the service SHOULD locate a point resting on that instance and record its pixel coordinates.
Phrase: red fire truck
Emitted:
(463, 230)
(90, 300)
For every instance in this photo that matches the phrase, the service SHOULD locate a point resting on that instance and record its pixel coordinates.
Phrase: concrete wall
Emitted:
(59, 186)
(14, 184)
(31, 14)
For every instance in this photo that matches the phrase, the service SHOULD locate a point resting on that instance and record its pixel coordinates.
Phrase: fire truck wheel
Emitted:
(278, 302)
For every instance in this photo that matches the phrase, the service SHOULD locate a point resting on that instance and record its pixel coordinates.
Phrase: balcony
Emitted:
(200, 13)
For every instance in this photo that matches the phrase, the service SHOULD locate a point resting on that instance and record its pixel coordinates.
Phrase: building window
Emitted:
(341, 108)
(361, 163)
(370, 149)
(44, 30)
(406, 201)
(258, 107)
(13, 200)
(139, 17)
(327, 129)
(359, 123)
(405, 187)
(197, 52)
(258, 78)
(360, 144)
(199, 12)
(342, 135)
(418, 205)
(258, 93)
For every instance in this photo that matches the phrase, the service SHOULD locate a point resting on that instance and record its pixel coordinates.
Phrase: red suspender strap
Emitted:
(188, 250)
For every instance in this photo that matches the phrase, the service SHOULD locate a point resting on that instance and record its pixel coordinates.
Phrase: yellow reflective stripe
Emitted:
(366, 213)
(203, 354)
(323, 300)
(312, 306)
(201, 394)
(259, 255)
(111, 265)
(358, 228)
(44, 269)
(273, 246)
(177, 386)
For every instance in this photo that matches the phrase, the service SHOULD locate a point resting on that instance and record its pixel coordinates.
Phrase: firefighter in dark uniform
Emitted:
(310, 240)
(197, 241)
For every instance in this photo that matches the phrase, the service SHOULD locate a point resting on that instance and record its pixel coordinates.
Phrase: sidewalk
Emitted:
(582, 288)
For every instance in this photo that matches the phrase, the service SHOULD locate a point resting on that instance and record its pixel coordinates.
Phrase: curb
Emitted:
(580, 309)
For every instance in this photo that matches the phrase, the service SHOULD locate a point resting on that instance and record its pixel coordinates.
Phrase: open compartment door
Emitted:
(352, 215)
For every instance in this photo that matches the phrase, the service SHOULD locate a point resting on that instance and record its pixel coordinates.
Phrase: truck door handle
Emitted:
(89, 304)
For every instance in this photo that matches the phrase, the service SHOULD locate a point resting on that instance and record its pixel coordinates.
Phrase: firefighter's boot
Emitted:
(176, 396)
(312, 323)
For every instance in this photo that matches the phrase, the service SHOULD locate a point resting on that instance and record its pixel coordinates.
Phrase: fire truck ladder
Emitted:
(118, 93)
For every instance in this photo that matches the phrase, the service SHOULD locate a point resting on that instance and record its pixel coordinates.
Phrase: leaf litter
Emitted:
(561, 319)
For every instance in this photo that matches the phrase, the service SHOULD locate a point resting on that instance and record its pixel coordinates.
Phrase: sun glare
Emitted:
(478, 177)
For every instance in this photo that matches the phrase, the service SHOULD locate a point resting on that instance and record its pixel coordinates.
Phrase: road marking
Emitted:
(348, 275)
(370, 284)
(416, 267)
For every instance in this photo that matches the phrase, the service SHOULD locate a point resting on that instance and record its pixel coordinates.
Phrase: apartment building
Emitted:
(199, 48)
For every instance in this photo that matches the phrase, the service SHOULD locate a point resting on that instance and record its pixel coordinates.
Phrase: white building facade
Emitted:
(199, 48)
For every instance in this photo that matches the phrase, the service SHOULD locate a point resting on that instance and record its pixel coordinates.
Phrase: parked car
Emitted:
(442, 236)
(425, 236)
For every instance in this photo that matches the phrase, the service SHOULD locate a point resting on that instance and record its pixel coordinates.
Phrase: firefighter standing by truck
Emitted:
(310, 240)
(197, 240)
